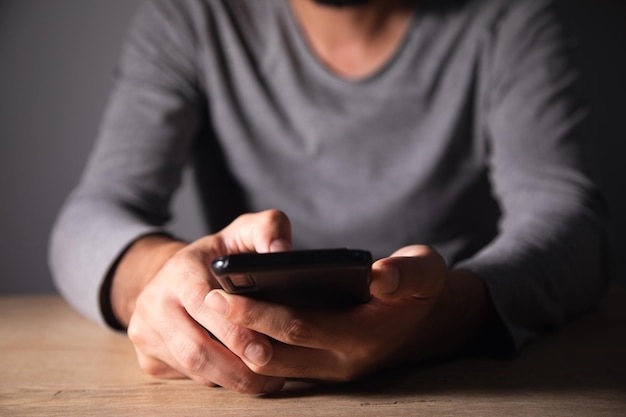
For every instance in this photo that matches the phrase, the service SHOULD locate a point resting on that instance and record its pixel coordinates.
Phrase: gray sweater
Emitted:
(468, 139)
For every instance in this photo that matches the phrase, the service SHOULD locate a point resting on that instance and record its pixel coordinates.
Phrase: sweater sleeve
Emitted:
(548, 262)
(136, 165)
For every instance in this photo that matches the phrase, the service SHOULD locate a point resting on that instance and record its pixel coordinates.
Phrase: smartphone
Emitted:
(324, 278)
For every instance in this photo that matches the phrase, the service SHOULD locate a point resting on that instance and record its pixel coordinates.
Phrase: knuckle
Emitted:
(138, 333)
(234, 336)
(246, 312)
(296, 332)
(275, 219)
(193, 294)
(244, 385)
(303, 370)
(192, 357)
(135, 334)
(185, 262)
(188, 268)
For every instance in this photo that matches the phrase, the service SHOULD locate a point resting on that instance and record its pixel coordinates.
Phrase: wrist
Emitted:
(461, 314)
(135, 269)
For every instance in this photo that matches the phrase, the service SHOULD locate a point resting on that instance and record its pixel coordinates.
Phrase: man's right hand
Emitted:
(159, 290)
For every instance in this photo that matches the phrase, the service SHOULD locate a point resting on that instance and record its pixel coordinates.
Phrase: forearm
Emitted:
(547, 263)
(136, 268)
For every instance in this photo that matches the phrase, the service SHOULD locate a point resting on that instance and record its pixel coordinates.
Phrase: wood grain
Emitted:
(55, 363)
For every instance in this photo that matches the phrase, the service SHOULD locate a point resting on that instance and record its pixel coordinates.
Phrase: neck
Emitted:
(354, 41)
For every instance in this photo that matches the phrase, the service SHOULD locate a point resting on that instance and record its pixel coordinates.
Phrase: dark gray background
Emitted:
(57, 60)
(56, 63)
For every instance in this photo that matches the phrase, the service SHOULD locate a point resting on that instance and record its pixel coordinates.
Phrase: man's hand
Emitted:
(418, 309)
(169, 320)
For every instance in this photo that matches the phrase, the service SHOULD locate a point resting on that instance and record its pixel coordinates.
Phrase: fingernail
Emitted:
(280, 245)
(217, 302)
(273, 385)
(258, 353)
(391, 279)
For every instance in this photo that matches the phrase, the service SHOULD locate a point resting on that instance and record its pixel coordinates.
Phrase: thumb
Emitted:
(413, 271)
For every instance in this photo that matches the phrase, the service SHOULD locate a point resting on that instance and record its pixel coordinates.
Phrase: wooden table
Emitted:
(55, 363)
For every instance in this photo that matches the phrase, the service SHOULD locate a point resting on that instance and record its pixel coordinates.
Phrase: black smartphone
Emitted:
(324, 278)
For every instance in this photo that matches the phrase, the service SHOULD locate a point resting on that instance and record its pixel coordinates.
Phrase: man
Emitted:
(444, 136)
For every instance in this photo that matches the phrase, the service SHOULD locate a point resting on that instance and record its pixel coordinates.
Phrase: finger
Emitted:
(247, 344)
(183, 345)
(417, 271)
(326, 365)
(304, 363)
(325, 345)
(252, 347)
(266, 231)
(291, 360)
(320, 344)
(200, 357)
(306, 328)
